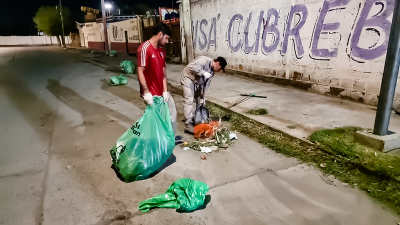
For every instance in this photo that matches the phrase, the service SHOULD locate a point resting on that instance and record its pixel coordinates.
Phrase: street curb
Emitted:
(176, 89)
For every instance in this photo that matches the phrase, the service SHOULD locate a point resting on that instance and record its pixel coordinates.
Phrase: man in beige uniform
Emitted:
(195, 80)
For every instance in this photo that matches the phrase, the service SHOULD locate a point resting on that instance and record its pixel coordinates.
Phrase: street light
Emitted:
(108, 6)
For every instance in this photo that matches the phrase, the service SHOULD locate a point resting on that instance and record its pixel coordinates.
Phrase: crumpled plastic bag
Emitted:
(127, 67)
(118, 80)
(113, 53)
(184, 194)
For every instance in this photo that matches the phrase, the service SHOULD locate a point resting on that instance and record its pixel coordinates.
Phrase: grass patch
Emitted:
(291, 127)
(257, 112)
(354, 164)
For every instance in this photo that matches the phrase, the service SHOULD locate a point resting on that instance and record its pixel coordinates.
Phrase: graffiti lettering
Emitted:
(301, 11)
(195, 34)
(254, 47)
(378, 23)
(230, 33)
(213, 31)
(367, 28)
(320, 27)
(202, 45)
(271, 28)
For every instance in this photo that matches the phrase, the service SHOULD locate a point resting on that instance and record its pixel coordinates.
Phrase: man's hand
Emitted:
(148, 98)
(202, 101)
(165, 96)
(207, 75)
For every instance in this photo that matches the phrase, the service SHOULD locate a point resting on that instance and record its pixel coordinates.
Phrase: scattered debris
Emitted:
(186, 149)
(185, 195)
(113, 53)
(225, 146)
(323, 165)
(203, 157)
(205, 149)
(69, 167)
(47, 152)
(206, 130)
(232, 136)
(117, 80)
(221, 137)
(127, 67)
(214, 148)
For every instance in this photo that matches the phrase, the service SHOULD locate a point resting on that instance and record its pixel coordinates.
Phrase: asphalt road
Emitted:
(59, 120)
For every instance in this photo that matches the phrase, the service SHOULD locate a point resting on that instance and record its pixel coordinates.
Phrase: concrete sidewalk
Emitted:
(249, 183)
(293, 111)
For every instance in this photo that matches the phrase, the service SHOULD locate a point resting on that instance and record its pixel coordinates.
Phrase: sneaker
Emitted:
(178, 140)
(189, 129)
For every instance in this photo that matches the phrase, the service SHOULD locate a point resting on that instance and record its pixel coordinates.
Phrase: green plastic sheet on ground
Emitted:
(184, 194)
(145, 147)
(127, 67)
(118, 80)
(113, 53)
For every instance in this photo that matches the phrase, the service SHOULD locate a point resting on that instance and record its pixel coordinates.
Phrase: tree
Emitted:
(48, 20)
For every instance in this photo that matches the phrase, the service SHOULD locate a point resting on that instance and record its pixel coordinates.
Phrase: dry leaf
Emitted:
(204, 157)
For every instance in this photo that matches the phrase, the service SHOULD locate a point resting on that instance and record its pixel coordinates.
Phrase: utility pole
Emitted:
(389, 78)
(103, 12)
(62, 25)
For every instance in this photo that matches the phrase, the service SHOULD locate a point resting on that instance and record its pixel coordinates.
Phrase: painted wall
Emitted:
(30, 40)
(332, 46)
(92, 35)
(116, 33)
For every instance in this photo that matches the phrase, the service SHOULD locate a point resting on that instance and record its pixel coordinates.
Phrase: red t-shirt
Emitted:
(153, 60)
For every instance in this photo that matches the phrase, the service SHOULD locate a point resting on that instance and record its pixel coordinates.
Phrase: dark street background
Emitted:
(16, 16)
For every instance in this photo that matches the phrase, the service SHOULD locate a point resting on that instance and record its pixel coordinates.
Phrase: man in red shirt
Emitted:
(151, 71)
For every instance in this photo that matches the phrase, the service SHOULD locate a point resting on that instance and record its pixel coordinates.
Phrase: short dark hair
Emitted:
(222, 62)
(163, 28)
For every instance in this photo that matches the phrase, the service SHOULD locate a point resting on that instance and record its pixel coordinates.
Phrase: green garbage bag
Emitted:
(120, 80)
(184, 194)
(113, 53)
(145, 147)
(127, 67)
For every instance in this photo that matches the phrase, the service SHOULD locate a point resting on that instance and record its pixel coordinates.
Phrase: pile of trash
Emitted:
(127, 67)
(185, 195)
(220, 138)
(113, 53)
(118, 80)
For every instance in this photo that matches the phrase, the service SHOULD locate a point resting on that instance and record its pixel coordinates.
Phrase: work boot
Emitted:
(189, 129)
(178, 140)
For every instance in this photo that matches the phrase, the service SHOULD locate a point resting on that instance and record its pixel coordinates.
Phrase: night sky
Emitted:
(16, 16)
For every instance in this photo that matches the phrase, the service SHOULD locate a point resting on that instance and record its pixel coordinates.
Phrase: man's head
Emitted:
(219, 64)
(162, 34)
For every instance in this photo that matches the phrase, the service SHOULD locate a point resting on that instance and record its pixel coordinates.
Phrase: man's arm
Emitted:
(165, 84)
(196, 66)
(142, 80)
